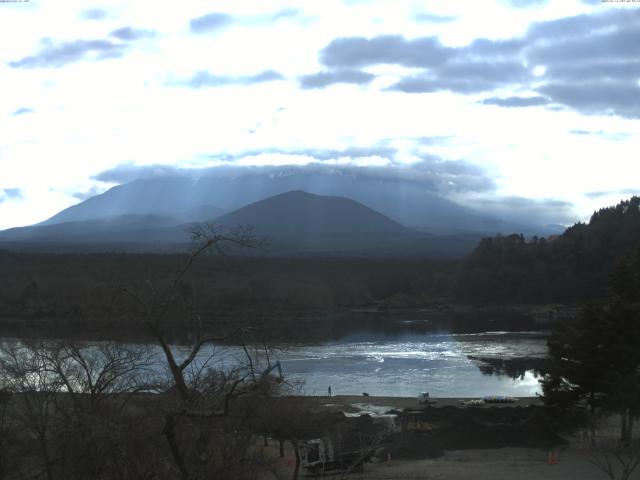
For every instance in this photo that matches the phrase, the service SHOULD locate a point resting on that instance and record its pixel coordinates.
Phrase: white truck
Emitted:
(345, 446)
(423, 397)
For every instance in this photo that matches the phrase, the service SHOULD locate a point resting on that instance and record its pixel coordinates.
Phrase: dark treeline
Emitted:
(572, 267)
(72, 293)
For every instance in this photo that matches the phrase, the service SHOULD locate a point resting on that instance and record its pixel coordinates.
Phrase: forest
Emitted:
(569, 268)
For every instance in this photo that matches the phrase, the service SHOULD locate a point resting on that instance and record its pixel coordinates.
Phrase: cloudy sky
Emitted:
(526, 105)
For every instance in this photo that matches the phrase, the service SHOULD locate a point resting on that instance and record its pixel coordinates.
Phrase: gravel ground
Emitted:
(499, 464)
(496, 464)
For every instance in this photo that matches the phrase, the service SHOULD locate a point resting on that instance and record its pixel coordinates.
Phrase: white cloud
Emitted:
(87, 116)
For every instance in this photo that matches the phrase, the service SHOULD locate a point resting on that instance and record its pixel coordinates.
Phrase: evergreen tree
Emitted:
(595, 357)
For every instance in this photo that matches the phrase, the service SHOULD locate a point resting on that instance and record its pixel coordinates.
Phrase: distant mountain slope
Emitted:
(402, 200)
(123, 228)
(303, 214)
(292, 215)
(295, 223)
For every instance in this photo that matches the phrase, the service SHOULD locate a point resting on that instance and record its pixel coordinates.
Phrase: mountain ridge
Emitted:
(402, 200)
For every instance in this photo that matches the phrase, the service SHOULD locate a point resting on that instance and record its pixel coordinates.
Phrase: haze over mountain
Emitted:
(401, 199)
(294, 223)
(117, 229)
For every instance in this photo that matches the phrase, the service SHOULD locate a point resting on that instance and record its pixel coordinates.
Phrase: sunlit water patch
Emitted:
(444, 365)
(438, 364)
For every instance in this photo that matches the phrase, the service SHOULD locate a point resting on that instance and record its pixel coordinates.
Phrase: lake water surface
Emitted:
(408, 364)
(438, 364)
(402, 359)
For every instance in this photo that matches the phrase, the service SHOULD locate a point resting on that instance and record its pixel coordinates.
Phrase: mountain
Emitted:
(302, 214)
(293, 217)
(200, 213)
(123, 228)
(295, 223)
(405, 201)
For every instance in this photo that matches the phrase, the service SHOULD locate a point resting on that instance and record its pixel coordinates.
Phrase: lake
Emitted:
(445, 365)
(404, 355)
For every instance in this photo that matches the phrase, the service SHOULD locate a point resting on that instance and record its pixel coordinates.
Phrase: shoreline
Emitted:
(400, 403)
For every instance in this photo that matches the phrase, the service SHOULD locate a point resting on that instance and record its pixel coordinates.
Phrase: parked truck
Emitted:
(343, 447)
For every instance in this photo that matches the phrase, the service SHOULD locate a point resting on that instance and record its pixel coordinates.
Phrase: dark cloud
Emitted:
(128, 172)
(526, 3)
(481, 66)
(95, 14)
(584, 25)
(324, 79)
(203, 79)
(128, 34)
(57, 54)
(350, 52)
(601, 70)
(612, 45)
(22, 111)
(491, 49)
(433, 18)
(450, 176)
(92, 192)
(624, 192)
(10, 194)
(210, 22)
(465, 77)
(533, 211)
(516, 101)
(431, 173)
(602, 98)
(591, 62)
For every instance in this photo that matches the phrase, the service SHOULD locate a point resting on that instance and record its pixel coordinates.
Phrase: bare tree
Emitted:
(617, 462)
(203, 434)
(85, 412)
(70, 400)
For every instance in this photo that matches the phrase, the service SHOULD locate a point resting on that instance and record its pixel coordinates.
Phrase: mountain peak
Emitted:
(300, 213)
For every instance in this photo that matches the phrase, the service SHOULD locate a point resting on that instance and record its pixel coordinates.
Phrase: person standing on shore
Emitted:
(329, 391)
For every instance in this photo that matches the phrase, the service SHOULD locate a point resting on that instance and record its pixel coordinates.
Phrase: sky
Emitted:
(526, 106)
